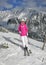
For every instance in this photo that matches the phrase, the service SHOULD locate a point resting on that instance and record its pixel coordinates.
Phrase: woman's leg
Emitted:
(23, 41)
(26, 41)
(26, 45)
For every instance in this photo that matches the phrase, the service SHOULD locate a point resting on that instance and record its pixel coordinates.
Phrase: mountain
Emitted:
(35, 19)
(17, 12)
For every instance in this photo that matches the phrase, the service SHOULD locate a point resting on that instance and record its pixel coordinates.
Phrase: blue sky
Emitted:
(9, 4)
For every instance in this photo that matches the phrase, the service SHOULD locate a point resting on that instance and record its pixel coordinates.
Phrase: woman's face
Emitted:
(22, 22)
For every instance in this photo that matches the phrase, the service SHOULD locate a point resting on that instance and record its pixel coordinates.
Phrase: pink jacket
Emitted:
(23, 29)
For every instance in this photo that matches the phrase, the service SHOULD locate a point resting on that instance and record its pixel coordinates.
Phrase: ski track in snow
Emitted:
(14, 54)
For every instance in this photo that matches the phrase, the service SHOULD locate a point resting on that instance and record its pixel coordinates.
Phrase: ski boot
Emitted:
(25, 51)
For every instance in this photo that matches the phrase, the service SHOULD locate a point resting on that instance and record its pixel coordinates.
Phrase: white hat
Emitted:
(22, 20)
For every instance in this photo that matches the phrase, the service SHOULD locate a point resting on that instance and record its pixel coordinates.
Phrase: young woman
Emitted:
(23, 31)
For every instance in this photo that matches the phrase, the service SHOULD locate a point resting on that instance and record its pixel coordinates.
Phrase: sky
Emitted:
(9, 4)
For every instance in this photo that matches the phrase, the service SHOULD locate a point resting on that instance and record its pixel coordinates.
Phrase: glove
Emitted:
(19, 32)
(27, 34)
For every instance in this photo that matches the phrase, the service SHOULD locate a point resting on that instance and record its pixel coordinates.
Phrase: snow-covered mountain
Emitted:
(36, 24)
(5, 15)
(13, 55)
(17, 12)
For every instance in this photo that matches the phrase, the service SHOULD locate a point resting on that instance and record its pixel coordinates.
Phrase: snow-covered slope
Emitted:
(14, 54)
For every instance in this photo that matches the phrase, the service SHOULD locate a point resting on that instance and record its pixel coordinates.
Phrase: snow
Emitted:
(7, 18)
(14, 54)
(21, 15)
